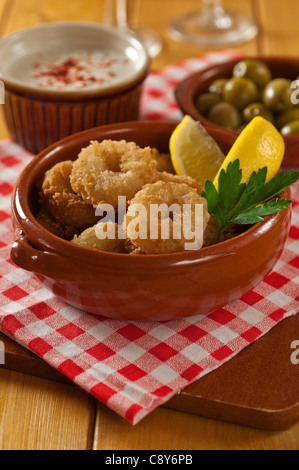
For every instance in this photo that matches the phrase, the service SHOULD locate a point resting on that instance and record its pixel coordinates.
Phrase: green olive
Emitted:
(217, 86)
(206, 101)
(291, 128)
(240, 92)
(255, 70)
(257, 109)
(277, 95)
(288, 116)
(225, 115)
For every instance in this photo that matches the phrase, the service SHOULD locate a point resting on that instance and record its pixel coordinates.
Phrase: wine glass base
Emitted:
(236, 29)
(150, 39)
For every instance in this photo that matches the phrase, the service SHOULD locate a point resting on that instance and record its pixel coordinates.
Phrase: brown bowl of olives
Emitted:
(230, 95)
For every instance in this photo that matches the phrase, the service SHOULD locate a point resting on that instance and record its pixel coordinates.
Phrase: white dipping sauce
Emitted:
(80, 70)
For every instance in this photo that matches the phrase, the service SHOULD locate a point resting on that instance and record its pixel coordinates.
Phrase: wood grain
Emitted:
(172, 430)
(174, 51)
(37, 414)
(41, 414)
(279, 27)
(258, 388)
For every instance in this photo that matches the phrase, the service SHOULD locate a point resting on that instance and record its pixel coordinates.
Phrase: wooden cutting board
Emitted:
(258, 388)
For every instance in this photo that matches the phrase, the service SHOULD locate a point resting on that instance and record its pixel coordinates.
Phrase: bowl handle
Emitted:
(42, 262)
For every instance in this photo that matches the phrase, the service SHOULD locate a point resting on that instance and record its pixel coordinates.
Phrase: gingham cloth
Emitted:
(135, 367)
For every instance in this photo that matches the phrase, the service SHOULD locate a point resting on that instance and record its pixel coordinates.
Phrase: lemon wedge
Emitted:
(259, 145)
(194, 152)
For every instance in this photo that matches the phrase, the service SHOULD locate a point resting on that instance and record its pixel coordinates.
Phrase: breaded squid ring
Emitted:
(163, 161)
(168, 194)
(90, 239)
(110, 169)
(166, 173)
(131, 249)
(182, 179)
(67, 232)
(212, 230)
(63, 204)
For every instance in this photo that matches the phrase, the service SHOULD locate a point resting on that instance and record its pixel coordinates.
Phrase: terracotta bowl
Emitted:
(199, 82)
(39, 113)
(136, 287)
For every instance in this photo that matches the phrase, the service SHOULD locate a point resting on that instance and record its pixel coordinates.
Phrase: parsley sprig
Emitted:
(241, 204)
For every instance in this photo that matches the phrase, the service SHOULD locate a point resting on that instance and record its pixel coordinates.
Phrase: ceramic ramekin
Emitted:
(37, 117)
(139, 287)
(195, 84)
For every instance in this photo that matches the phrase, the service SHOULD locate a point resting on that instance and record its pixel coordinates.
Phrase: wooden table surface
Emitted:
(39, 414)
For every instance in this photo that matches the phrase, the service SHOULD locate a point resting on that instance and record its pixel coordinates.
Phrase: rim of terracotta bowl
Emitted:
(186, 91)
(107, 33)
(46, 241)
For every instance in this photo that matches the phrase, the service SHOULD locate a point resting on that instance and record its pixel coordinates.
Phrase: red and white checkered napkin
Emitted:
(158, 101)
(135, 367)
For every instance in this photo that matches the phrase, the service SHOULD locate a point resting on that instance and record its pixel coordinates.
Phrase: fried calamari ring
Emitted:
(110, 169)
(63, 204)
(171, 178)
(166, 173)
(67, 232)
(212, 230)
(90, 238)
(131, 249)
(167, 194)
(163, 161)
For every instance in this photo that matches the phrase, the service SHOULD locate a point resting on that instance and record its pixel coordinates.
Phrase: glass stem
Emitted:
(118, 13)
(213, 14)
(123, 14)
